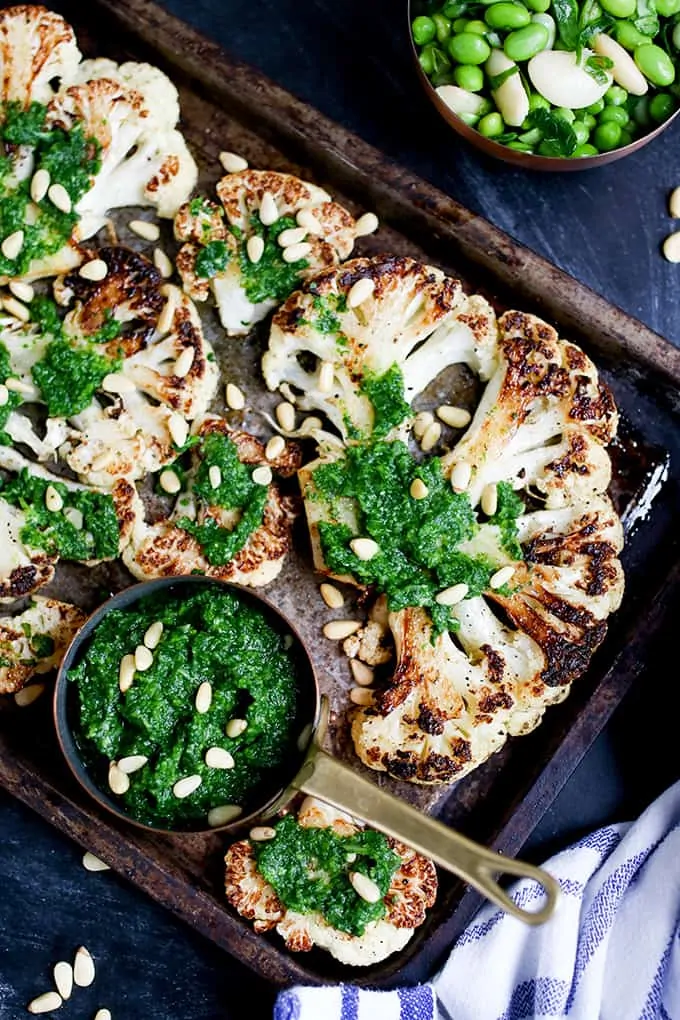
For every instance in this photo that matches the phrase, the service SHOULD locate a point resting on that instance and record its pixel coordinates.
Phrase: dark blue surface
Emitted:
(351, 60)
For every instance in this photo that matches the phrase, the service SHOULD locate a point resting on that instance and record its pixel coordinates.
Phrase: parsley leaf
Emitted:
(647, 21)
(496, 80)
(597, 68)
(567, 18)
(559, 138)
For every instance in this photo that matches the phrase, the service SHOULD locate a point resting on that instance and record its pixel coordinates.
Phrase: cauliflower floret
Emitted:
(543, 421)
(362, 366)
(412, 892)
(22, 569)
(171, 546)
(36, 46)
(34, 642)
(214, 255)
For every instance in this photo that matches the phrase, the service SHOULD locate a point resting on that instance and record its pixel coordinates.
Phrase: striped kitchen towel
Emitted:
(611, 952)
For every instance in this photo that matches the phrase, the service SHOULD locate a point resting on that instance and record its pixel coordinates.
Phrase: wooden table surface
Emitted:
(351, 60)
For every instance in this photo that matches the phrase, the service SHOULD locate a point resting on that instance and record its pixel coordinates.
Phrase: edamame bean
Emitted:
(661, 107)
(584, 150)
(619, 8)
(442, 27)
(486, 106)
(469, 77)
(628, 36)
(460, 24)
(548, 22)
(525, 43)
(596, 108)
(655, 64)
(520, 146)
(614, 115)
(676, 36)
(565, 114)
(606, 137)
(477, 27)
(588, 120)
(581, 131)
(454, 9)
(532, 137)
(615, 96)
(491, 126)
(537, 102)
(468, 48)
(640, 112)
(667, 8)
(469, 118)
(424, 30)
(539, 6)
(426, 60)
(625, 139)
(507, 16)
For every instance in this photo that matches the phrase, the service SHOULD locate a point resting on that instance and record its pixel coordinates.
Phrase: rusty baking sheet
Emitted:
(227, 105)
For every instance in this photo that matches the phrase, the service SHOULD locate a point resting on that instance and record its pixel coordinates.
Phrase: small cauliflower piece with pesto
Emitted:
(34, 642)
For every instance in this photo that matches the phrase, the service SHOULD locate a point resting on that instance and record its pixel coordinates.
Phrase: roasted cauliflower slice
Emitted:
(412, 892)
(236, 530)
(543, 421)
(34, 642)
(36, 47)
(362, 365)
(247, 282)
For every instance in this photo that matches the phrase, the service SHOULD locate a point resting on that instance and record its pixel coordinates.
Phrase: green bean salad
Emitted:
(554, 77)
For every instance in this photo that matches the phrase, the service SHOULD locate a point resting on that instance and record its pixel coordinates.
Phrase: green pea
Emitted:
(538, 6)
(640, 112)
(525, 43)
(537, 102)
(655, 64)
(424, 30)
(676, 36)
(584, 150)
(588, 120)
(566, 114)
(661, 107)
(596, 108)
(468, 48)
(491, 125)
(606, 137)
(507, 16)
(615, 96)
(477, 27)
(469, 77)
(667, 8)
(442, 27)
(614, 115)
(625, 139)
(460, 24)
(619, 8)
(532, 137)
(581, 131)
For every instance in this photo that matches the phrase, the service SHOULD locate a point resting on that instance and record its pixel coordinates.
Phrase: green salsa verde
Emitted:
(208, 636)
(310, 871)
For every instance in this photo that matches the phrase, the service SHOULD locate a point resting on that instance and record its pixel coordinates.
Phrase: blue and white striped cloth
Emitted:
(611, 952)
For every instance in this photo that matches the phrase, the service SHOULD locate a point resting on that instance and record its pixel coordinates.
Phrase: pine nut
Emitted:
(83, 968)
(262, 475)
(16, 309)
(431, 436)
(53, 500)
(63, 978)
(22, 291)
(306, 218)
(235, 727)
(269, 212)
(366, 224)
(133, 763)
(143, 658)
(154, 634)
(218, 758)
(162, 263)
(12, 245)
(671, 249)
(326, 377)
(489, 500)
(364, 887)
(234, 397)
(461, 476)
(184, 362)
(364, 548)
(142, 228)
(293, 235)
(421, 423)
(116, 382)
(453, 595)
(40, 182)
(360, 292)
(255, 248)
(169, 481)
(310, 425)
(362, 673)
(126, 673)
(27, 695)
(214, 476)
(275, 447)
(103, 1014)
(167, 316)
(92, 863)
(232, 162)
(287, 393)
(4, 395)
(185, 787)
(119, 784)
(45, 1003)
(337, 630)
(59, 196)
(285, 416)
(673, 205)
(261, 833)
(361, 696)
(501, 577)
(296, 252)
(456, 417)
(102, 460)
(18, 386)
(223, 815)
(204, 698)
(419, 489)
(94, 270)
(178, 429)
(332, 596)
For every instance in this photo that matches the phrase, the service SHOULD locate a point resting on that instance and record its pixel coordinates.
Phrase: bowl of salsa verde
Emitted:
(180, 702)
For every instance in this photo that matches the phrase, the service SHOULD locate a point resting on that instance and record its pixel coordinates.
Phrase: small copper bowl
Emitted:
(526, 160)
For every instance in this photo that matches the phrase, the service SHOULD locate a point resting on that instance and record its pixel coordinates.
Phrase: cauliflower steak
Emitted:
(34, 642)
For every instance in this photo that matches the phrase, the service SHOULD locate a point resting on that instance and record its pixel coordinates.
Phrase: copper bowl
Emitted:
(527, 160)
